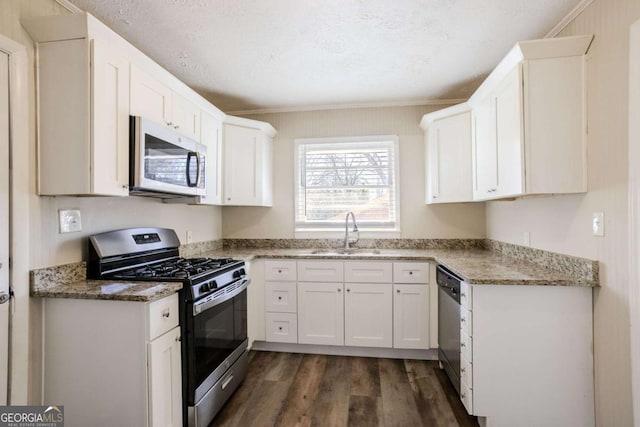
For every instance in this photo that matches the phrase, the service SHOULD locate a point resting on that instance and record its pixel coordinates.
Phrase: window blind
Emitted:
(336, 176)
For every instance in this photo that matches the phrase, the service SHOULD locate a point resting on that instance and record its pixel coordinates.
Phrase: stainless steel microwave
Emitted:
(164, 163)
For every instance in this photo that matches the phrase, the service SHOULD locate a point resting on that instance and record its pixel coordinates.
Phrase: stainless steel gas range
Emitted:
(213, 309)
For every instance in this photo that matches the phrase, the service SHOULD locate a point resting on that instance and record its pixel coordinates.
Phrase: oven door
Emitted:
(165, 161)
(216, 337)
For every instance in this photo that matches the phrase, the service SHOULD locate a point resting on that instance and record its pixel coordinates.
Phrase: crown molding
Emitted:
(295, 109)
(69, 6)
(568, 19)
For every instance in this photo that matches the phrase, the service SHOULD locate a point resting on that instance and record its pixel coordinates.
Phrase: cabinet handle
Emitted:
(166, 314)
(125, 187)
(176, 127)
(169, 124)
(178, 338)
(463, 395)
(462, 345)
(462, 370)
(462, 320)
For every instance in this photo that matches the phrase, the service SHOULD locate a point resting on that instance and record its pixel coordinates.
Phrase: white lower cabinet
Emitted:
(320, 313)
(522, 335)
(130, 349)
(410, 316)
(368, 315)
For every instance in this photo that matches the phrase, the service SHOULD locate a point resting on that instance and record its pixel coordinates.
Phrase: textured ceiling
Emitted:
(251, 54)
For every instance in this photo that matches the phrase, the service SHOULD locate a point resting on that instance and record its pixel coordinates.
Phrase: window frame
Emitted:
(338, 230)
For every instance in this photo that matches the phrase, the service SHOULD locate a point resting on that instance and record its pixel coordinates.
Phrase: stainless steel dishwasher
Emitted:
(449, 323)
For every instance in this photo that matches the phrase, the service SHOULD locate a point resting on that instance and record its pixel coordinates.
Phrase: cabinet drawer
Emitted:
(280, 297)
(465, 295)
(410, 272)
(320, 271)
(466, 346)
(282, 327)
(466, 319)
(162, 315)
(466, 372)
(280, 270)
(368, 272)
(466, 395)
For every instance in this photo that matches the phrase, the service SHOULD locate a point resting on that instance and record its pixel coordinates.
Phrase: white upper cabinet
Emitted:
(211, 137)
(248, 162)
(152, 99)
(448, 154)
(83, 92)
(529, 122)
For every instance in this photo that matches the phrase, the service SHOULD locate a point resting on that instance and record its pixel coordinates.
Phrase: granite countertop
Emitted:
(69, 281)
(476, 266)
(497, 264)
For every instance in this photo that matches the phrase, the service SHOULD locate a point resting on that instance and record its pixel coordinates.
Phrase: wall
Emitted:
(48, 247)
(563, 223)
(417, 220)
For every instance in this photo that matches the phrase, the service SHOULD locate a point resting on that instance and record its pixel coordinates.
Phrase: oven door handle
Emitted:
(205, 304)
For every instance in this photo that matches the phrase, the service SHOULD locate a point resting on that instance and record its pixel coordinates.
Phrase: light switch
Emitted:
(598, 223)
(69, 220)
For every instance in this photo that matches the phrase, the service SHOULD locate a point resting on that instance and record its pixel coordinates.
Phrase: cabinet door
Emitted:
(411, 316)
(320, 313)
(149, 97)
(110, 118)
(449, 163)
(264, 172)
(240, 165)
(211, 137)
(368, 314)
(509, 135)
(485, 156)
(185, 116)
(165, 380)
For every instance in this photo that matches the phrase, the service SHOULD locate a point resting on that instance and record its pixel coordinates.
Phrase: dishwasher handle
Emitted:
(448, 282)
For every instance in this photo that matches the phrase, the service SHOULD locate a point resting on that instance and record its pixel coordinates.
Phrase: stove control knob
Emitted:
(204, 288)
(239, 273)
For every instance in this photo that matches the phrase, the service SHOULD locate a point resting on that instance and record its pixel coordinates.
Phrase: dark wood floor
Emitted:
(284, 389)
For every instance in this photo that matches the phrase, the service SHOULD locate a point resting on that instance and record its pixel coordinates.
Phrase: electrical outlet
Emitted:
(189, 236)
(69, 220)
(597, 224)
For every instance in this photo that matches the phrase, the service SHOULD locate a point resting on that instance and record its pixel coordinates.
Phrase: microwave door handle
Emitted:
(197, 169)
(191, 154)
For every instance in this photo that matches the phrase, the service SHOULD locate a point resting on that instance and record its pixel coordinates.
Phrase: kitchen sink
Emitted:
(345, 251)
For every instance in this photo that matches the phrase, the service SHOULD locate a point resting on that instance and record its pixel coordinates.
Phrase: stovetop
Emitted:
(178, 268)
(152, 254)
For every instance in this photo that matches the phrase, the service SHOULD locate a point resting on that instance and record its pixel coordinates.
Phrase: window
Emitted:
(337, 175)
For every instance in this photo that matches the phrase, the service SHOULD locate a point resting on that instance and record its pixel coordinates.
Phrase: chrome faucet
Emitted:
(347, 243)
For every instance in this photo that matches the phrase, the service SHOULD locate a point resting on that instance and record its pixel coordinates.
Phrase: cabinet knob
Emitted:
(339, 290)
(435, 197)
(169, 124)
(463, 396)
(463, 295)
(398, 291)
(228, 198)
(462, 370)
(125, 186)
(348, 290)
(178, 339)
(279, 271)
(279, 298)
(462, 319)
(411, 273)
(166, 314)
(0, 266)
(462, 345)
(176, 127)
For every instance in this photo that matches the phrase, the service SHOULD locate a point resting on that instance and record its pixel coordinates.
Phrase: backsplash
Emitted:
(362, 243)
(190, 250)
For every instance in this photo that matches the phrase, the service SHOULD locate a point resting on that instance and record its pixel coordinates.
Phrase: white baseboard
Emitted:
(389, 353)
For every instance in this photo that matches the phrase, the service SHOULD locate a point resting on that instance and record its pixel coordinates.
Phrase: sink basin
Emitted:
(345, 251)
